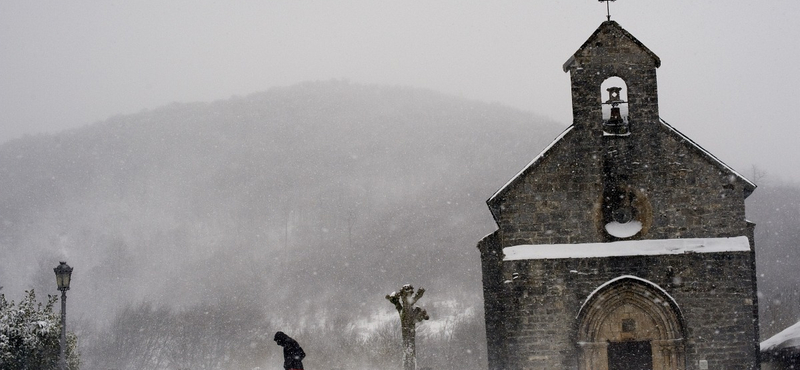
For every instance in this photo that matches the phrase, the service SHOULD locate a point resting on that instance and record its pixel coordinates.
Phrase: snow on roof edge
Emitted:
(647, 247)
(618, 278)
(729, 168)
(789, 337)
(532, 162)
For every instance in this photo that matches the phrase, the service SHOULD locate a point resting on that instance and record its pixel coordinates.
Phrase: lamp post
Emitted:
(63, 275)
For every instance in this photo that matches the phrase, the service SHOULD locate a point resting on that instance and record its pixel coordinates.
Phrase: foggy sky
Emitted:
(728, 78)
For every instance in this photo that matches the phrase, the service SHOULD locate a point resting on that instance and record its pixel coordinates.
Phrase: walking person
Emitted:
(292, 352)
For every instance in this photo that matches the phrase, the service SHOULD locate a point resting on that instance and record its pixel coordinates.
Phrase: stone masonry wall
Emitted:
(713, 291)
(556, 203)
(687, 195)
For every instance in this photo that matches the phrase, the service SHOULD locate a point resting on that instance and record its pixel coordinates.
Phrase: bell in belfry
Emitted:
(616, 124)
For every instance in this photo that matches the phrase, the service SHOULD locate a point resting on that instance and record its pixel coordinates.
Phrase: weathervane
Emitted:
(608, 8)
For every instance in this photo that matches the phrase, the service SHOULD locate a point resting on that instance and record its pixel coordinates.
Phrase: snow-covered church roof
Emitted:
(788, 338)
(627, 248)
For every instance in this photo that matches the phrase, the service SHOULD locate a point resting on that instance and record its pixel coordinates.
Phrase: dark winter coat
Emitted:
(292, 352)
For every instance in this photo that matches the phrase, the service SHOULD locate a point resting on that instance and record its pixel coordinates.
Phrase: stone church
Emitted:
(624, 244)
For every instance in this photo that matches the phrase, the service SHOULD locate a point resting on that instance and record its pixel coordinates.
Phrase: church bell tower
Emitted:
(623, 243)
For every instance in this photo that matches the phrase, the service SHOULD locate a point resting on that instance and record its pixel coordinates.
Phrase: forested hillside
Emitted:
(197, 230)
(300, 203)
(775, 208)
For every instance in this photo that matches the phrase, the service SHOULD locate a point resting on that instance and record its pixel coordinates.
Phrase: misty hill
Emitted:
(320, 197)
(311, 200)
(775, 208)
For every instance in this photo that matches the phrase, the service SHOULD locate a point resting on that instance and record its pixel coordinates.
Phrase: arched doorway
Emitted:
(629, 323)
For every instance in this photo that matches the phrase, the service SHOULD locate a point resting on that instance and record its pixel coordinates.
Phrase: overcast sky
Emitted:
(729, 74)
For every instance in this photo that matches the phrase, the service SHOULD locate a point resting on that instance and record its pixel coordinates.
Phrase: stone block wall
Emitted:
(713, 291)
(687, 194)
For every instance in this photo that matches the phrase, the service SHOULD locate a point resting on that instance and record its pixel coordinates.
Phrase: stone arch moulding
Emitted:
(630, 310)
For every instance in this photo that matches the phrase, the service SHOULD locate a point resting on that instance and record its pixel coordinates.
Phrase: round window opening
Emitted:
(622, 215)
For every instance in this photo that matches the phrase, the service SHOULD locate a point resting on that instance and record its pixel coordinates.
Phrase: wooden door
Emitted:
(630, 356)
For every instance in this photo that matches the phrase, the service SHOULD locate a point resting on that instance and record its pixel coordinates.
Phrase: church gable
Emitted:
(550, 199)
(614, 242)
(619, 172)
(665, 182)
(515, 186)
(745, 185)
(611, 41)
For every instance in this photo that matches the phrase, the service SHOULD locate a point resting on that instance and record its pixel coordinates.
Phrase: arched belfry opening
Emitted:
(614, 98)
(630, 321)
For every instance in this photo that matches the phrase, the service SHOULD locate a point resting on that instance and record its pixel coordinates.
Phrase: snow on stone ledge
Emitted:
(625, 230)
(627, 248)
(788, 338)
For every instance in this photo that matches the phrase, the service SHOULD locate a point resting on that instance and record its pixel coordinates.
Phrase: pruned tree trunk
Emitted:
(409, 317)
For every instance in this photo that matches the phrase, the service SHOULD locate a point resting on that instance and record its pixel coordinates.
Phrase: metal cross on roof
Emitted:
(608, 8)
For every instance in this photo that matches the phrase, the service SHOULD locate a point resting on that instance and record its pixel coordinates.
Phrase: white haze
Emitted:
(728, 78)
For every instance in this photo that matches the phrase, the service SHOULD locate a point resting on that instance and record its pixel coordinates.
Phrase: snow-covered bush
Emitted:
(30, 333)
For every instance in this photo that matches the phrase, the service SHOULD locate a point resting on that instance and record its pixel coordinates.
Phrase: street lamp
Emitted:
(63, 275)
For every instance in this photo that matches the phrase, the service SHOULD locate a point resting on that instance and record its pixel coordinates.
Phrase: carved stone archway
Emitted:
(634, 310)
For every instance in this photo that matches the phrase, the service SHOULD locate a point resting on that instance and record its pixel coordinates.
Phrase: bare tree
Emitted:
(351, 221)
(136, 339)
(758, 174)
(409, 317)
